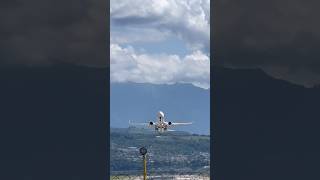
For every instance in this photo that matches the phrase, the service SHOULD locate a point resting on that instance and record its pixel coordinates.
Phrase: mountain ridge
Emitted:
(259, 120)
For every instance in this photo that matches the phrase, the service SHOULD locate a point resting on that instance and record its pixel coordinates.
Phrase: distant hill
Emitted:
(169, 152)
(264, 126)
(141, 102)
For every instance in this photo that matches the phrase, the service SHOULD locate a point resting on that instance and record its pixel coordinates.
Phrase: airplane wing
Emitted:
(137, 124)
(181, 123)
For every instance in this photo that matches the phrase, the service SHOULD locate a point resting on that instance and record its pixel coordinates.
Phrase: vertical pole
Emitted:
(144, 168)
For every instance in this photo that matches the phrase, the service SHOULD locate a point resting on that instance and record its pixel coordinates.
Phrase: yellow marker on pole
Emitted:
(143, 152)
(144, 167)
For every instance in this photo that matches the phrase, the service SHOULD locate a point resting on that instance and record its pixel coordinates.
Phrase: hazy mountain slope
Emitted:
(53, 122)
(264, 126)
(141, 102)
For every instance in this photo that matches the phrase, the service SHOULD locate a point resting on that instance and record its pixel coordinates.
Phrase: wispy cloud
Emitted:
(133, 35)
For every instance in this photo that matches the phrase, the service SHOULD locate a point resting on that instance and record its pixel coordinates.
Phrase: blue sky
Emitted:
(171, 45)
(160, 41)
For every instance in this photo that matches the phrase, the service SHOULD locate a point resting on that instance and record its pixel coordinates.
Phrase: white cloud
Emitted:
(187, 19)
(155, 21)
(129, 66)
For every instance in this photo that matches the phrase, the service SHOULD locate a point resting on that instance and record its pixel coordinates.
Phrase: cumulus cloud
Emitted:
(188, 19)
(127, 65)
(152, 21)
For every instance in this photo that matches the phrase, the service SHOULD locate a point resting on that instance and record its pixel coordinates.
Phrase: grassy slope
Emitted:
(172, 150)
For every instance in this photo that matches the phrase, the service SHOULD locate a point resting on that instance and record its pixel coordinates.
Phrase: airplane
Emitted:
(161, 125)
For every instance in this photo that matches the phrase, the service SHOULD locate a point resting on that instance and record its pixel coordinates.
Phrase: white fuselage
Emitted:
(161, 125)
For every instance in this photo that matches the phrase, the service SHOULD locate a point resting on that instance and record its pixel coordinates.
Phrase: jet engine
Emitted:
(169, 123)
(150, 123)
